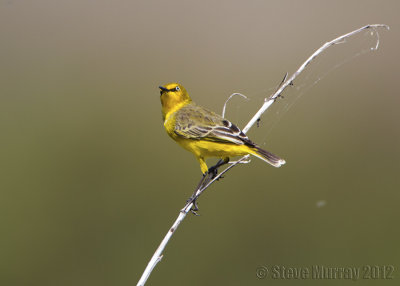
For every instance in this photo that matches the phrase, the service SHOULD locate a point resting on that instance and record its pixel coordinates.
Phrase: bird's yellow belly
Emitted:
(204, 149)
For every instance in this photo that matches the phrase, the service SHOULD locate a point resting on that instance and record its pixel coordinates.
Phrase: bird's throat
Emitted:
(169, 108)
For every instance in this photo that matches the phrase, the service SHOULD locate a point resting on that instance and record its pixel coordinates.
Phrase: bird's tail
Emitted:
(268, 157)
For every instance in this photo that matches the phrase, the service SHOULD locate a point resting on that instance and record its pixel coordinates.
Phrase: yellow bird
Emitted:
(203, 132)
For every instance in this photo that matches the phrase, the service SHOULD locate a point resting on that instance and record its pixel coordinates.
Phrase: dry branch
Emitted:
(206, 182)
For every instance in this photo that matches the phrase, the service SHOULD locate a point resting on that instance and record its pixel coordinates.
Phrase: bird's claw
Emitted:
(195, 207)
(213, 171)
(194, 212)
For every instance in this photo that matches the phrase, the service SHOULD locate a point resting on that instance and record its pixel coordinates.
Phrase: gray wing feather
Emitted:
(195, 122)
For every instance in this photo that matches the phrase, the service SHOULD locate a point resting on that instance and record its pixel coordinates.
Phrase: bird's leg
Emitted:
(193, 200)
(207, 177)
(193, 197)
(213, 171)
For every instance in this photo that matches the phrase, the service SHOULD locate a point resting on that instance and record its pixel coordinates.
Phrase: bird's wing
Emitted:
(197, 123)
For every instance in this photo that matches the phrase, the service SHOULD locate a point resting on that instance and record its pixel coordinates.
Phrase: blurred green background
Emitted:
(90, 182)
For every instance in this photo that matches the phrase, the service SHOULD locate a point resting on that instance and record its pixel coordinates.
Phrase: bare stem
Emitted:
(205, 183)
(157, 256)
(268, 102)
(229, 98)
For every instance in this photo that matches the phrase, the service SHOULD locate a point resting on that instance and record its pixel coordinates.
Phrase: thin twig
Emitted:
(229, 98)
(157, 256)
(289, 81)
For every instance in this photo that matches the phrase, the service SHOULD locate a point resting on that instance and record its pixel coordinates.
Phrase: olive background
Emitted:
(90, 181)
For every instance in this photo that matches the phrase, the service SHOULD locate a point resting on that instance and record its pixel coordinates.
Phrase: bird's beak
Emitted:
(163, 89)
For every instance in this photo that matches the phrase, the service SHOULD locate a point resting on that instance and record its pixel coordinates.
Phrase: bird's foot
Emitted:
(213, 171)
(195, 207)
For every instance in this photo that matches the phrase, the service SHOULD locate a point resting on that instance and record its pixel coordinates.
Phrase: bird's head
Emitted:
(173, 96)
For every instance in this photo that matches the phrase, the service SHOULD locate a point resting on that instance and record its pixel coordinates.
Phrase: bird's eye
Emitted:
(177, 88)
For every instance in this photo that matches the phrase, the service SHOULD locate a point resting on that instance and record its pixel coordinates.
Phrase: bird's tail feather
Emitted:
(268, 157)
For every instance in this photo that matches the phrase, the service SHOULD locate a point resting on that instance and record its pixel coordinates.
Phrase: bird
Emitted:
(204, 132)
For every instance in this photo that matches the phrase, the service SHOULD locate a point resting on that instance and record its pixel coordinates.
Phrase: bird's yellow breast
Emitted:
(204, 148)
